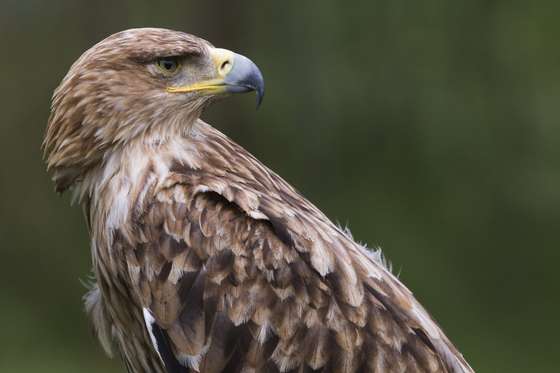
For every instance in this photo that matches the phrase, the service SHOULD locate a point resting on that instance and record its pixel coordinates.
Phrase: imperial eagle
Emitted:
(205, 260)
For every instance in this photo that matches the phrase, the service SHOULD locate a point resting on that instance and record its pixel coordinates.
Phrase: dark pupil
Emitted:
(168, 64)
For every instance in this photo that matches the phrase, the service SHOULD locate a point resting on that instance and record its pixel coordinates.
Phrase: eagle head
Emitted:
(134, 83)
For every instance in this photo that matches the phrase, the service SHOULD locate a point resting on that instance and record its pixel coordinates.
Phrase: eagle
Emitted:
(204, 260)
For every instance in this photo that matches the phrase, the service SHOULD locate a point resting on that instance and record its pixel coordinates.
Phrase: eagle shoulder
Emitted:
(237, 274)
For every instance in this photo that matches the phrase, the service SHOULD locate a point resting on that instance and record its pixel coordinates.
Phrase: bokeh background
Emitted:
(430, 127)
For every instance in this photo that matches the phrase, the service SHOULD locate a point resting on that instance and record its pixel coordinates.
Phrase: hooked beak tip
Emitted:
(260, 95)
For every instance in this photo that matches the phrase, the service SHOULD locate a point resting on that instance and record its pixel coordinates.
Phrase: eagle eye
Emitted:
(168, 65)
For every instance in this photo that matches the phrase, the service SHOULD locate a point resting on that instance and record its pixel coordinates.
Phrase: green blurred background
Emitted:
(430, 127)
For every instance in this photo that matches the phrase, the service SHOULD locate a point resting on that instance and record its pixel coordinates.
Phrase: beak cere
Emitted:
(234, 74)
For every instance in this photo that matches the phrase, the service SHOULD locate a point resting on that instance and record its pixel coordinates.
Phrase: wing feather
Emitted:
(213, 275)
(245, 275)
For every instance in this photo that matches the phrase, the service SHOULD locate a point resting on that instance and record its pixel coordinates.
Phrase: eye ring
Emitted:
(168, 65)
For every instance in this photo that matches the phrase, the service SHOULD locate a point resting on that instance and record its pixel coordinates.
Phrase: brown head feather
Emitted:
(110, 96)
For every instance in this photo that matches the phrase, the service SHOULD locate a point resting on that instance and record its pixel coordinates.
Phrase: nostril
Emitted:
(225, 67)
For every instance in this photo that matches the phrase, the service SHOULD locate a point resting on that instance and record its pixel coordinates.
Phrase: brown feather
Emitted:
(238, 270)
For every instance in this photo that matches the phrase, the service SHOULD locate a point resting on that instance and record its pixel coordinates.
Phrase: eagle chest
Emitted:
(121, 304)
